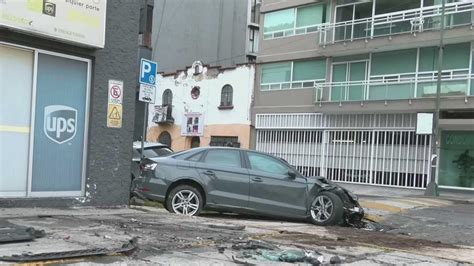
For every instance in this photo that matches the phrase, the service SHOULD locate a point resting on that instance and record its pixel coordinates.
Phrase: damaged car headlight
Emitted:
(148, 166)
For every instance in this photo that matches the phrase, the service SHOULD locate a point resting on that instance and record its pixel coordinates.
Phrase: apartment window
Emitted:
(253, 41)
(254, 14)
(388, 6)
(167, 97)
(288, 75)
(293, 21)
(226, 96)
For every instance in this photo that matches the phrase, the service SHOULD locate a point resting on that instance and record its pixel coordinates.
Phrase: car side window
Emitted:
(267, 164)
(224, 158)
(196, 157)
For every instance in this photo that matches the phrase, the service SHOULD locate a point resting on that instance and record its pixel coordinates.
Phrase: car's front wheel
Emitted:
(185, 200)
(326, 209)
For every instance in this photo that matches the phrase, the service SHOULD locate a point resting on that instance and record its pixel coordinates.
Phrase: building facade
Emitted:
(67, 86)
(218, 32)
(340, 84)
(203, 106)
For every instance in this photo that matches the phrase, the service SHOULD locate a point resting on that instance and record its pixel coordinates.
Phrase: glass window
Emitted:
(309, 70)
(267, 164)
(277, 72)
(167, 97)
(388, 6)
(196, 157)
(310, 15)
(16, 80)
(455, 56)
(226, 96)
(394, 62)
(60, 124)
(279, 20)
(457, 159)
(224, 158)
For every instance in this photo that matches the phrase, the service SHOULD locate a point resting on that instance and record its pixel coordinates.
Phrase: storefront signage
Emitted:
(60, 123)
(192, 125)
(76, 21)
(114, 107)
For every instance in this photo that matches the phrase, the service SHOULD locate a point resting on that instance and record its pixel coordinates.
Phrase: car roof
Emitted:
(147, 145)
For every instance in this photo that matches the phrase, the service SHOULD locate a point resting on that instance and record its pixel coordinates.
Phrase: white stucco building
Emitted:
(202, 106)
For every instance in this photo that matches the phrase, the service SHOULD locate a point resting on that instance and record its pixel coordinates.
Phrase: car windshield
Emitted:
(157, 152)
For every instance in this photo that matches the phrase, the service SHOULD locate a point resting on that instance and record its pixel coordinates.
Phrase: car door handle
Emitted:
(257, 179)
(209, 173)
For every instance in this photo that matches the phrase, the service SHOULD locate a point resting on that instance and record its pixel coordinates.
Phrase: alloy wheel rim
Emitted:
(322, 208)
(185, 202)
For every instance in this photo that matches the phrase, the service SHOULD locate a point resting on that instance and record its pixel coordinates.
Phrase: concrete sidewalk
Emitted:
(380, 202)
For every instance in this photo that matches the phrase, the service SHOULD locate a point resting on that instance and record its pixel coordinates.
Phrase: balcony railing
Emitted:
(408, 21)
(290, 32)
(302, 84)
(395, 87)
(163, 114)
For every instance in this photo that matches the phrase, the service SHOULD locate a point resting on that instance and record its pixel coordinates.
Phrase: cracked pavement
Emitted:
(165, 238)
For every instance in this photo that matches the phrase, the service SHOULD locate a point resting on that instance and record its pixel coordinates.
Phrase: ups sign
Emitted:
(60, 123)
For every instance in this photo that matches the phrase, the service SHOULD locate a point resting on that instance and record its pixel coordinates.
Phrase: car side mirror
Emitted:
(292, 174)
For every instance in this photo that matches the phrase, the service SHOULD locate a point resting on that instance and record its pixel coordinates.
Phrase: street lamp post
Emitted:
(432, 187)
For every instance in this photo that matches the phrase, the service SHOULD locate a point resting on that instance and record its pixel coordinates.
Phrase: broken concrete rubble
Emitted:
(14, 233)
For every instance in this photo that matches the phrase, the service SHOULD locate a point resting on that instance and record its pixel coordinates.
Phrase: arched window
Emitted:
(165, 138)
(195, 142)
(167, 97)
(226, 96)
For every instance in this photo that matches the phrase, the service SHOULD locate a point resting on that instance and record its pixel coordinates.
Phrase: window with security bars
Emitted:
(225, 141)
(226, 96)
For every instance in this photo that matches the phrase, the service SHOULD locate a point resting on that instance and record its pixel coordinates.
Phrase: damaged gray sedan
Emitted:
(243, 181)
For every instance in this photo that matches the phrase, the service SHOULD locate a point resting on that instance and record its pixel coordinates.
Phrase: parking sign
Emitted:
(148, 72)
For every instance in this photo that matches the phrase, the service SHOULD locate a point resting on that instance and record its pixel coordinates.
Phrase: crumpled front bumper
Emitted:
(353, 213)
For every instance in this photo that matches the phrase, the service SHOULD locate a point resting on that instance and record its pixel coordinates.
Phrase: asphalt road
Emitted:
(452, 224)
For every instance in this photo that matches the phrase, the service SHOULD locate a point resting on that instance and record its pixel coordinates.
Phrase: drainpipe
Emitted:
(432, 188)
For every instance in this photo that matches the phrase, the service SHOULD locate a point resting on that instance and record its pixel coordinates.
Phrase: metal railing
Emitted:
(290, 32)
(389, 87)
(300, 84)
(373, 149)
(407, 21)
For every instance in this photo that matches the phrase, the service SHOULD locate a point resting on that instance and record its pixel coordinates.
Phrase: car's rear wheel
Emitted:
(185, 200)
(326, 209)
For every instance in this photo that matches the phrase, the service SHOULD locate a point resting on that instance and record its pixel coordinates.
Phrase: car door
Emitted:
(272, 190)
(227, 181)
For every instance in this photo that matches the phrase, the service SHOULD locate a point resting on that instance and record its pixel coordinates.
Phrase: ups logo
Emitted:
(49, 9)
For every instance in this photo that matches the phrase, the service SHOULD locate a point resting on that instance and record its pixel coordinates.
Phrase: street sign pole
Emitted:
(147, 81)
(432, 187)
(145, 122)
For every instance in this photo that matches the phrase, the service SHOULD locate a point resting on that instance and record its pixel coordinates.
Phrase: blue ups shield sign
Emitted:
(60, 123)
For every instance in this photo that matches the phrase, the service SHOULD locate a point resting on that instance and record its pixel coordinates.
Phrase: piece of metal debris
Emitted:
(228, 226)
(236, 261)
(126, 249)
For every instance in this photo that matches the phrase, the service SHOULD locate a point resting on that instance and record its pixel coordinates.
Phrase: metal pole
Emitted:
(145, 123)
(432, 188)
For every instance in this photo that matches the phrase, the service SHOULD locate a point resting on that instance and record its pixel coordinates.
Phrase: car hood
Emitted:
(326, 184)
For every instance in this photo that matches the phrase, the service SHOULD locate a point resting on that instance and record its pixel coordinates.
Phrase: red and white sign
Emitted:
(115, 91)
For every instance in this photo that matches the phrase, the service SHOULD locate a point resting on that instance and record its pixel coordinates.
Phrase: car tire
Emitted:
(185, 200)
(326, 209)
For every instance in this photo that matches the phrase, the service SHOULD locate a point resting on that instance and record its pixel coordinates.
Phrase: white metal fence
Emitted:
(374, 149)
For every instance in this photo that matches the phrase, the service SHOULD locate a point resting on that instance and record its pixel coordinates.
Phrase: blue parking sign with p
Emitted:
(148, 72)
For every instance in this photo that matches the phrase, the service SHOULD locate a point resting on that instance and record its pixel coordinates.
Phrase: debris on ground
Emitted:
(15, 233)
(369, 225)
(227, 226)
(126, 249)
(253, 244)
(335, 260)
